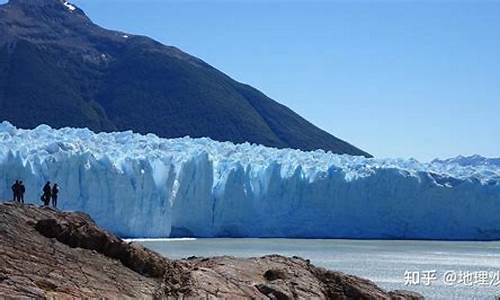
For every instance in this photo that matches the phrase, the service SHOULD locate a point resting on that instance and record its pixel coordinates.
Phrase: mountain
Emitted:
(60, 69)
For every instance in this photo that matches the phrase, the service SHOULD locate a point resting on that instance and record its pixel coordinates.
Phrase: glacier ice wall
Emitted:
(144, 186)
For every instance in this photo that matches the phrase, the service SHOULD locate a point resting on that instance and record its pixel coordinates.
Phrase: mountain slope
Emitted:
(58, 68)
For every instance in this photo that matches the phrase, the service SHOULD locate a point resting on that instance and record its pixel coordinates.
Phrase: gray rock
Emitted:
(45, 253)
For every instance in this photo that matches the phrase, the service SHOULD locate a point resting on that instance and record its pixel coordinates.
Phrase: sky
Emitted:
(402, 79)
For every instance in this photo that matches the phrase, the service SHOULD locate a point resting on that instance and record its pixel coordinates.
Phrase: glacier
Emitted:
(143, 186)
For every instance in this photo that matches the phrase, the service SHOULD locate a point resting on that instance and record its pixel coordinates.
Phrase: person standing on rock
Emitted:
(22, 190)
(47, 193)
(15, 191)
(55, 191)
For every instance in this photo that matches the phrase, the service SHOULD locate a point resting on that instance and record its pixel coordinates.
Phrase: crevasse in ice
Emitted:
(145, 186)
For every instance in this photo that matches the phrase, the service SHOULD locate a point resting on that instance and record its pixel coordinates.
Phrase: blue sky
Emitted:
(395, 78)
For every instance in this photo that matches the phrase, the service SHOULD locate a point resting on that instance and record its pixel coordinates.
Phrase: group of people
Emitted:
(18, 190)
(48, 193)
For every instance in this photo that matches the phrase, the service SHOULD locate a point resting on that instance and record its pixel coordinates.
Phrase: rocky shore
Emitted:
(49, 254)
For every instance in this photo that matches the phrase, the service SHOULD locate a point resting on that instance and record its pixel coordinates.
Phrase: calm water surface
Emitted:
(384, 262)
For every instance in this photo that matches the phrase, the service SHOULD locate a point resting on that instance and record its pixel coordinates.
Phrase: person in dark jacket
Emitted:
(15, 191)
(55, 191)
(22, 190)
(47, 193)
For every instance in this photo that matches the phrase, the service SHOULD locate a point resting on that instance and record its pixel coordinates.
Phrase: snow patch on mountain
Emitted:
(69, 6)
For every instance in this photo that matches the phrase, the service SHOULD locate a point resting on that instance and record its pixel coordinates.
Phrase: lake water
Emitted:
(462, 270)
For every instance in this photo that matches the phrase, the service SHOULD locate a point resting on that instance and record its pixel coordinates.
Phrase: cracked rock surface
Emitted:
(50, 254)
